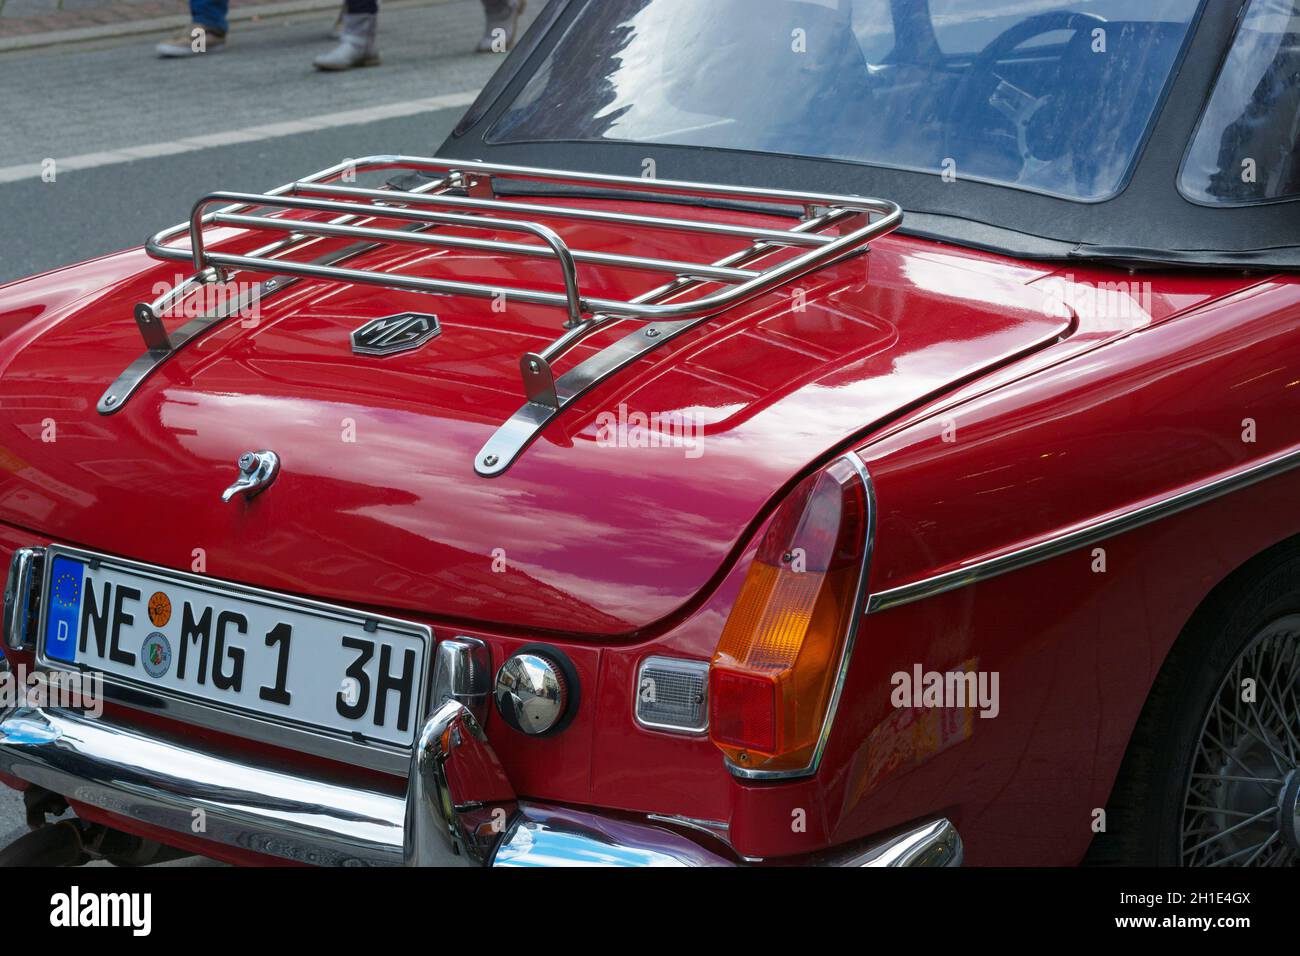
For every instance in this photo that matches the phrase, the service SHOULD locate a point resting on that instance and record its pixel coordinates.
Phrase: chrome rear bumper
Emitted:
(458, 807)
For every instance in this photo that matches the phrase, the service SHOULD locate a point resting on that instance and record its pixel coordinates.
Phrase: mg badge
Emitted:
(394, 333)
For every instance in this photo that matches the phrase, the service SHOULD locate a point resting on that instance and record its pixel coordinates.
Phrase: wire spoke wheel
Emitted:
(1240, 801)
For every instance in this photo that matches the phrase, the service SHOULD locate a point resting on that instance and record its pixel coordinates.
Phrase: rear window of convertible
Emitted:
(1035, 94)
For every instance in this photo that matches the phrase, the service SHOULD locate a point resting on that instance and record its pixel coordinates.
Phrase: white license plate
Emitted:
(296, 663)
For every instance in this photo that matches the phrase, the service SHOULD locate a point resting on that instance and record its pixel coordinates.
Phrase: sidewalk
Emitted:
(27, 17)
(25, 24)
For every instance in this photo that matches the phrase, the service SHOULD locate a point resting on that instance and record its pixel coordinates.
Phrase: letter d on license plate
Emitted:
(297, 673)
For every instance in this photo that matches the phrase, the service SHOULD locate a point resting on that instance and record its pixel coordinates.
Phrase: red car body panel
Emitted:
(1068, 407)
(1142, 418)
(407, 528)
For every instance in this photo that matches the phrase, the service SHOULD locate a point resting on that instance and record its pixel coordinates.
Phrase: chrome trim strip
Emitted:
(846, 655)
(934, 844)
(24, 568)
(1085, 535)
(557, 837)
(718, 829)
(376, 755)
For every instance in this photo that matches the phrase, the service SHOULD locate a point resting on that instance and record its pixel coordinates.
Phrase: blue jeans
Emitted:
(210, 14)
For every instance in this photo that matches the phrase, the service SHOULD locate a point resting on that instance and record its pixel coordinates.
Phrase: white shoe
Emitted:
(356, 46)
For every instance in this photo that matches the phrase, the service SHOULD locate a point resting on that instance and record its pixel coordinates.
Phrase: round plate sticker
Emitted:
(156, 653)
(160, 609)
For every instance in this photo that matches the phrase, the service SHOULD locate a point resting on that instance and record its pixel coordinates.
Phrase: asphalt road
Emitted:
(86, 99)
(92, 98)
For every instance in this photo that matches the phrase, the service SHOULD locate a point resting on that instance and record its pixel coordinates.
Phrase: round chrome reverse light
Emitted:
(536, 691)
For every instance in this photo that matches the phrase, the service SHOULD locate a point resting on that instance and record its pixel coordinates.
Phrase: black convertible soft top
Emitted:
(1148, 223)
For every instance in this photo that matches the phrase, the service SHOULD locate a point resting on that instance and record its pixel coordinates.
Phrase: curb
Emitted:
(156, 24)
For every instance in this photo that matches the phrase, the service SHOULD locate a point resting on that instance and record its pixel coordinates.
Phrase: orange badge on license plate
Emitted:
(160, 609)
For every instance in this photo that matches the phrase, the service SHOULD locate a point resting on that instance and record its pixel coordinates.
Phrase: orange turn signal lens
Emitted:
(773, 673)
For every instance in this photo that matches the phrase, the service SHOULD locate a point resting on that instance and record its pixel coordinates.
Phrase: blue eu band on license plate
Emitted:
(312, 666)
(64, 610)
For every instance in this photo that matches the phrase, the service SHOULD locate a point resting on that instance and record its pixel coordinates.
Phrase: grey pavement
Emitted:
(82, 99)
(124, 204)
(88, 98)
(11, 9)
(72, 100)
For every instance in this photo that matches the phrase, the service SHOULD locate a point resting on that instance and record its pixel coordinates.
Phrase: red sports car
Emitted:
(848, 432)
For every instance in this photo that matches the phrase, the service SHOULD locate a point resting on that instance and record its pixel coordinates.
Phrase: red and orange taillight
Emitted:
(775, 669)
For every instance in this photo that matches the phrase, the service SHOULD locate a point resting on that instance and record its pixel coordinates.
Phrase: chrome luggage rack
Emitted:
(468, 195)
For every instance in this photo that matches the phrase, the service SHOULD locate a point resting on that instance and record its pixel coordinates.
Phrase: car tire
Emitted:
(12, 836)
(57, 844)
(1191, 790)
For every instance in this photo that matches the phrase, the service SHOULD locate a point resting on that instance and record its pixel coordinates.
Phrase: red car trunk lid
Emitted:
(602, 527)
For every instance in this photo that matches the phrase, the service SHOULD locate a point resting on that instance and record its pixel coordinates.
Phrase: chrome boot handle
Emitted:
(257, 469)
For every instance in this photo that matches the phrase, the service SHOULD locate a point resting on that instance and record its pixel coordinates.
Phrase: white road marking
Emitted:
(306, 124)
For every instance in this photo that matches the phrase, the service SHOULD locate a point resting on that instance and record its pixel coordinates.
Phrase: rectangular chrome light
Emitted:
(672, 694)
(20, 607)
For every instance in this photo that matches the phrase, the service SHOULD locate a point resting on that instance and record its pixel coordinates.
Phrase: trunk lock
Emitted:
(257, 469)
